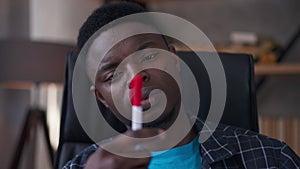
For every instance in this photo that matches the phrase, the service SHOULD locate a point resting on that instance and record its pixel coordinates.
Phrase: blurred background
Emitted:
(36, 35)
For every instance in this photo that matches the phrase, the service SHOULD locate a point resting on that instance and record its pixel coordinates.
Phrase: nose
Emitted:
(145, 76)
(134, 70)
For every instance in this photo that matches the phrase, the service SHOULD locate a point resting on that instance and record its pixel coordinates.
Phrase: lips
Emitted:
(145, 98)
(145, 103)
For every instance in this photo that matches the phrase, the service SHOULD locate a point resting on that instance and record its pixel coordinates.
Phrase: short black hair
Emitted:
(104, 15)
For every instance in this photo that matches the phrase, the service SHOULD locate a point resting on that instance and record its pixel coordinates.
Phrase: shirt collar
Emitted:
(217, 147)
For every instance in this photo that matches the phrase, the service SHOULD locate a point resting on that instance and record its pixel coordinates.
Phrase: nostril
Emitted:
(145, 78)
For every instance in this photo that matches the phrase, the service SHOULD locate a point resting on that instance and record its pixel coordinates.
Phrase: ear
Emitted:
(173, 50)
(100, 97)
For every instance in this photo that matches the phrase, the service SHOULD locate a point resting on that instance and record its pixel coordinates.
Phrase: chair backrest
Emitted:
(240, 107)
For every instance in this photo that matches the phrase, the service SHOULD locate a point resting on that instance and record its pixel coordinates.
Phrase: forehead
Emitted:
(110, 37)
(133, 44)
(105, 40)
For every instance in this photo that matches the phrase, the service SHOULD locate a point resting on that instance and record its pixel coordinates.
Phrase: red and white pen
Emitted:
(136, 99)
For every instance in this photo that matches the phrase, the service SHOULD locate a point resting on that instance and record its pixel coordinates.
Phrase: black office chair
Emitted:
(240, 108)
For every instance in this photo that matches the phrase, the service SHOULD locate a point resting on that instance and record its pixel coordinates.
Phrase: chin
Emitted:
(165, 121)
(162, 122)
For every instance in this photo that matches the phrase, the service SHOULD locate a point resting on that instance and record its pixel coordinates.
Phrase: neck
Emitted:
(188, 138)
(184, 123)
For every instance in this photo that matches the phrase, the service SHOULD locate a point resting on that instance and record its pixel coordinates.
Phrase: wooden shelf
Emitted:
(277, 69)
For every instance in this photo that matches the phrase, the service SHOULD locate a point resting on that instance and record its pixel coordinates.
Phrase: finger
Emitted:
(145, 139)
(138, 144)
(124, 163)
(144, 133)
(148, 141)
(141, 167)
(129, 151)
(107, 159)
(136, 162)
(131, 138)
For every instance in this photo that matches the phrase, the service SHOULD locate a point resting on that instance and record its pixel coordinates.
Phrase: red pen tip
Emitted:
(136, 90)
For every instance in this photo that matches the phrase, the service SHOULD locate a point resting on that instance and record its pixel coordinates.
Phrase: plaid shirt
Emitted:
(228, 147)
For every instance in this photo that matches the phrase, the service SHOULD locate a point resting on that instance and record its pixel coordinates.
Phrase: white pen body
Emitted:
(137, 117)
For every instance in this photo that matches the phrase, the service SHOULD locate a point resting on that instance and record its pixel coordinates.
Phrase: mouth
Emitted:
(146, 105)
(145, 102)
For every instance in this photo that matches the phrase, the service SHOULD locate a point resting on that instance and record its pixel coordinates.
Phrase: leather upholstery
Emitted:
(240, 109)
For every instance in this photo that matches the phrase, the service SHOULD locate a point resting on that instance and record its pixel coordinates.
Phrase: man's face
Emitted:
(120, 64)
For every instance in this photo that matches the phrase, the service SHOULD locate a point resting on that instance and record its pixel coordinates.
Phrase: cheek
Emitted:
(164, 78)
(169, 67)
(118, 101)
(120, 94)
(171, 87)
(108, 95)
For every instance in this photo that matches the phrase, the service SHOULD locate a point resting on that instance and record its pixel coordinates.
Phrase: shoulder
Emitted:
(79, 161)
(242, 136)
(237, 137)
(256, 146)
(237, 147)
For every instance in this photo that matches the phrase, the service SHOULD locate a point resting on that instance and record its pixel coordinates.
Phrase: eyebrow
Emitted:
(144, 45)
(107, 66)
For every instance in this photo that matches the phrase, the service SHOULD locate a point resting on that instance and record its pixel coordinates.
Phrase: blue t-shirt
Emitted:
(186, 156)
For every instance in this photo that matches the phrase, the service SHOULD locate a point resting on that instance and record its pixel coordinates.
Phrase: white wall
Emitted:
(57, 20)
(279, 95)
(3, 17)
(217, 18)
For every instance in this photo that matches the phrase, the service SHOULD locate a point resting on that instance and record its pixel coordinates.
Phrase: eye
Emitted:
(113, 76)
(117, 74)
(149, 57)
